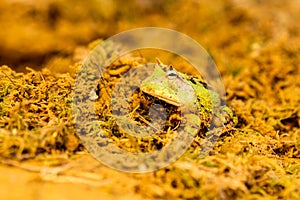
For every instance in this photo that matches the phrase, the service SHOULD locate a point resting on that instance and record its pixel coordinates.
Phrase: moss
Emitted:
(255, 46)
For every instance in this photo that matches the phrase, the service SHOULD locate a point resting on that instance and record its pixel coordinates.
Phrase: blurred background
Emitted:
(54, 33)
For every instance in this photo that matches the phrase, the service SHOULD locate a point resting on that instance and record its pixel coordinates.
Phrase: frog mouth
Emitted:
(174, 102)
(168, 99)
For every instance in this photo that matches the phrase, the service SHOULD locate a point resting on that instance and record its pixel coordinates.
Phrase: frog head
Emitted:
(164, 84)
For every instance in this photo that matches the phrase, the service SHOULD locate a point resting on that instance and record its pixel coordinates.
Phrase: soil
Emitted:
(256, 47)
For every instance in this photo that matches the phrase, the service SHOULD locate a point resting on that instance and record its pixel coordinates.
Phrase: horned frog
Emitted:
(171, 86)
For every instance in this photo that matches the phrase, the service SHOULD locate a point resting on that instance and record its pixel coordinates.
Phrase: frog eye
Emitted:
(172, 73)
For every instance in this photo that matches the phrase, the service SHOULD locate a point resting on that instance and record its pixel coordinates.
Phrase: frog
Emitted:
(167, 84)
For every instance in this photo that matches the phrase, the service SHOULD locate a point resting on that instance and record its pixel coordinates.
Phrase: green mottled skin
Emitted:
(165, 84)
